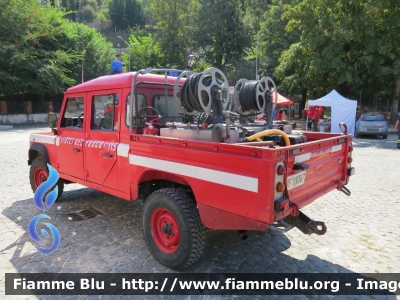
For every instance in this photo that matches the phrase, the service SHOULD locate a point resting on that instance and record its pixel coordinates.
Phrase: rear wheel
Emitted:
(384, 136)
(172, 228)
(39, 174)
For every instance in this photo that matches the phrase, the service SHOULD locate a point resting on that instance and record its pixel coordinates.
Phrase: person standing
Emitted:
(396, 129)
(274, 114)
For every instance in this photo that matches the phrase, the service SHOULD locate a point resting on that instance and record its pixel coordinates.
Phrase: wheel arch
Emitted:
(152, 180)
(34, 152)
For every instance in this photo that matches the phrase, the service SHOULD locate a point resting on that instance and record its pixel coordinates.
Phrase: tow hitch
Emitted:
(305, 224)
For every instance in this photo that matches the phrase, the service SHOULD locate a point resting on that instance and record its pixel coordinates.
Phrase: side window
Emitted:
(73, 113)
(105, 112)
(141, 103)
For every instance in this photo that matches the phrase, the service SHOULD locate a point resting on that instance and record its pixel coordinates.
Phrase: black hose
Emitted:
(248, 97)
(149, 107)
(189, 93)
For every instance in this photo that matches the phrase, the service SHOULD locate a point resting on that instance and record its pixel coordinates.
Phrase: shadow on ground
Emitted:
(113, 243)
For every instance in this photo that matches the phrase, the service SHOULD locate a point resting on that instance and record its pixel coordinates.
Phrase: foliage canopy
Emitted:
(41, 51)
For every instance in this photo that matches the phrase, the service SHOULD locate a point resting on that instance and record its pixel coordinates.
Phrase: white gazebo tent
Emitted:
(343, 110)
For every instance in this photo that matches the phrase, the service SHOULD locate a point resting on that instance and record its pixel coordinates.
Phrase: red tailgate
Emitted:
(316, 168)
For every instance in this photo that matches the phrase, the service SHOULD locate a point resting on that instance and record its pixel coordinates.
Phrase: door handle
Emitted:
(107, 154)
(76, 150)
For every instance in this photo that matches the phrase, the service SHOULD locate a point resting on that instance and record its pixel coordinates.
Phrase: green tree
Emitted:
(174, 22)
(33, 55)
(95, 53)
(71, 6)
(386, 17)
(346, 45)
(41, 52)
(254, 12)
(273, 35)
(221, 33)
(144, 52)
(146, 7)
(87, 10)
(126, 14)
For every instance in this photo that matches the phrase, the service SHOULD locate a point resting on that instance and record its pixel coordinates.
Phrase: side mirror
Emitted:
(343, 127)
(52, 120)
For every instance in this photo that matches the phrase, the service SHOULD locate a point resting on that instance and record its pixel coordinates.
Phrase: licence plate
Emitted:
(296, 180)
(372, 129)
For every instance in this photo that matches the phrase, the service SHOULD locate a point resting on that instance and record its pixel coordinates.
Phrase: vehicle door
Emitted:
(71, 136)
(103, 138)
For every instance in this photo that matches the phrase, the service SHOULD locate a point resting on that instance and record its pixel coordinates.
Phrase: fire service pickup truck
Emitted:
(190, 148)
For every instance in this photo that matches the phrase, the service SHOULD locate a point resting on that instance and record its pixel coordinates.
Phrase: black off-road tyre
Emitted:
(39, 173)
(172, 228)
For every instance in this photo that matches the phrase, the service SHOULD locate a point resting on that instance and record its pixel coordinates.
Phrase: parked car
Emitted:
(371, 124)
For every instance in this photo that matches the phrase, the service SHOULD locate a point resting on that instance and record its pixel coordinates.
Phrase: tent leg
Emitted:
(307, 123)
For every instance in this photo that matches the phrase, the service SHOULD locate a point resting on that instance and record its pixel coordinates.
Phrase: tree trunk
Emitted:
(395, 102)
(302, 104)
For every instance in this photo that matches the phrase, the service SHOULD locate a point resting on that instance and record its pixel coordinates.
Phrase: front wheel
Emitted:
(172, 228)
(39, 174)
(384, 136)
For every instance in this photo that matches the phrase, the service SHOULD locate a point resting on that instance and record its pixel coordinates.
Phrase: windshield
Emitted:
(372, 118)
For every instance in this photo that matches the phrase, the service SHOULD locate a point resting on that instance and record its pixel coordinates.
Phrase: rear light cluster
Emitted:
(349, 158)
(280, 187)
(281, 170)
(280, 180)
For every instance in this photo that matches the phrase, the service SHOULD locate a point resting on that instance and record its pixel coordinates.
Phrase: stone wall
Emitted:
(26, 116)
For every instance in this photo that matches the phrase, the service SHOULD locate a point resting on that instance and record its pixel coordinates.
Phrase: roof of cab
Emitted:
(118, 81)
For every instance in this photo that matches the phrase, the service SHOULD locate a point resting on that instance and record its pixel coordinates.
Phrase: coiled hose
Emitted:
(248, 97)
(189, 93)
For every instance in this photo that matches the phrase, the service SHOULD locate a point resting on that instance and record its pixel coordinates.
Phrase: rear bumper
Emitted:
(364, 131)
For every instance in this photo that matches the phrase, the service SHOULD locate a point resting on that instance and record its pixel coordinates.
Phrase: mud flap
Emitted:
(306, 225)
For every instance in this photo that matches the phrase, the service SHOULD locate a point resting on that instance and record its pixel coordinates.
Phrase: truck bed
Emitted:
(241, 179)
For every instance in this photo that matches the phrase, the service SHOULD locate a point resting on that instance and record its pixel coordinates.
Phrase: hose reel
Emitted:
(177, 92)
(252, 96)
(205, 88)
(199, 90)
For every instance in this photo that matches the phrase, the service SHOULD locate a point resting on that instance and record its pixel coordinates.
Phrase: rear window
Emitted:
(372, 118)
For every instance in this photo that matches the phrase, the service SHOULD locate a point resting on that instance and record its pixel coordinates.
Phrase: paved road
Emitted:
(363, 230)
